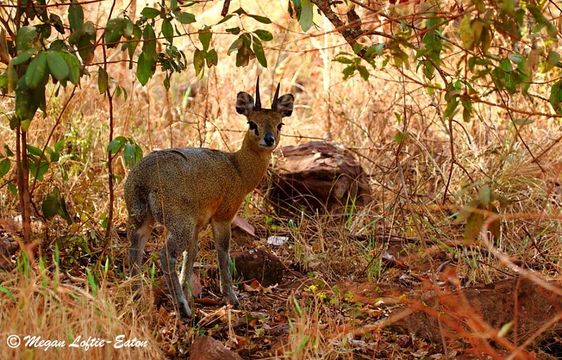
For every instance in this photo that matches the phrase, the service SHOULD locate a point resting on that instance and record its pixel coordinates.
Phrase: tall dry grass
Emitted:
(58, 316)
(408, 183)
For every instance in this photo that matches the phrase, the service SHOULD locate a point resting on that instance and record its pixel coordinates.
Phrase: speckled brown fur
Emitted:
(186, 189)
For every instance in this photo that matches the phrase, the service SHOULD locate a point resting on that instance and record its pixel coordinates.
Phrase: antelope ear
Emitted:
(284, 105)
(244, 103)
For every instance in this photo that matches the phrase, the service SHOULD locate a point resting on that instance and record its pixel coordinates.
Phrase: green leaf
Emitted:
(133, 44)
(363, 72)
(58, 45)
(54, 204)
(542, 21)
(401, 137)
(168, 30)
(264, 35)
(38, 171)
(240, 11)
(34, 150)
(262, 19)
(343, 59)
(505, 65)
(467, 108)
(132, 154)
(50, 205)
(39, 97)
(145, 68)
(59, 145)
(485, 39)
(12, 188)
(374, 50)
(116, 145)
(258, 51)
(103, 80)
(119, 91)
(73, 66)
(4, 167)
(243, 56)
(27, 102)
(205, 36)
(150, 13)
(452, 104)
(149, 43)
(86, 48)
(236, 44)
(357, 48)
(6, 291)
(75, 16)
(166, 81)
(89, 28)
(54, 156)
(25, 38)
(113, 32)
(551, 60)
(56, 21)
(128, 28)
(22, 57)
(199, 60)
(234, 30)
(348, 71)
(516, 58)
(184, 18)
(4, 82)
(92, 282)
(57, 65)
(36, 74)
(212, 58)
(555, 98)
(306, 15)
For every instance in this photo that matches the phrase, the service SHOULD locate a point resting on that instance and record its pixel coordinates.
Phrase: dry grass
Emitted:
(408, 185)
(66, 310)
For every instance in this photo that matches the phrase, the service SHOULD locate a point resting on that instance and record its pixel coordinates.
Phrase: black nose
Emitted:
(269, 139)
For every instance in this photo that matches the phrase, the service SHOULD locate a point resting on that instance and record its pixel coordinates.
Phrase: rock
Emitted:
(207, 348)
(259, 264)
(317, 176)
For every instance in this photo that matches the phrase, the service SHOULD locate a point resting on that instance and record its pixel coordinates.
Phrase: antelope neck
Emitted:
(251, 162)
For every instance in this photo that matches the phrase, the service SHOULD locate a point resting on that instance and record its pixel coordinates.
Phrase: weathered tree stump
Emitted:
(318, 176)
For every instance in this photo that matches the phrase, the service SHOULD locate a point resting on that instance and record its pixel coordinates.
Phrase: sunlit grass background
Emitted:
(408, 180)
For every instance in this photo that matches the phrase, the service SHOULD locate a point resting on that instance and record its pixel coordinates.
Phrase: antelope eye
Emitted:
(253, 126)
(280, 126)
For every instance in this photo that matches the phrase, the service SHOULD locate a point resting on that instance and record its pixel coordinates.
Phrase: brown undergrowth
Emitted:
(346, 280)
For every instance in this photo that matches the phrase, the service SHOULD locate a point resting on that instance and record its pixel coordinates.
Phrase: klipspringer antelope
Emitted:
(187, 188)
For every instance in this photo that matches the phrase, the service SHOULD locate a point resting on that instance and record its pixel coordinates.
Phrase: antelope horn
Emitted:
(275, 98)
(257, 106)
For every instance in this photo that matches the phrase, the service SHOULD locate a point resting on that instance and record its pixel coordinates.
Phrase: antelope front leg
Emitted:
(221, 232)
(186, 273)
